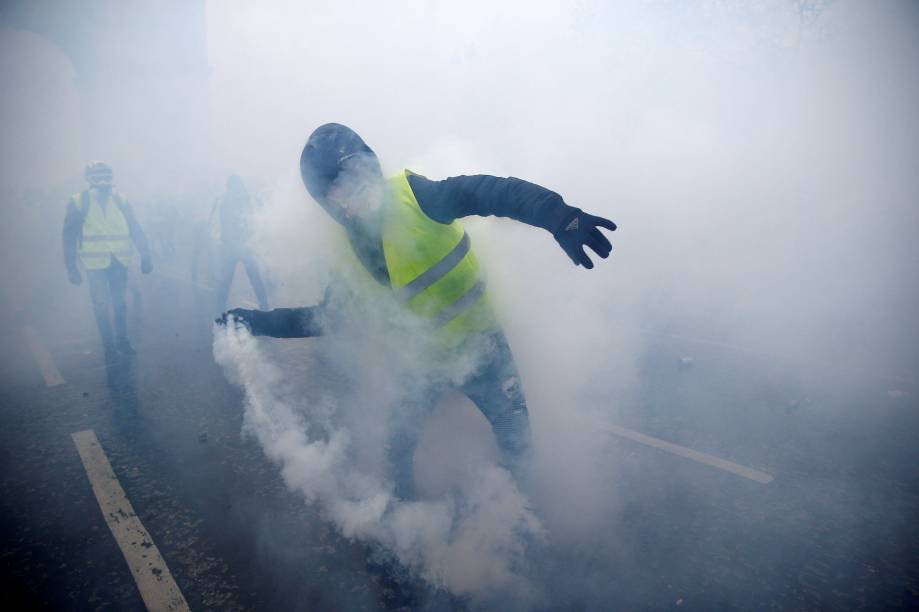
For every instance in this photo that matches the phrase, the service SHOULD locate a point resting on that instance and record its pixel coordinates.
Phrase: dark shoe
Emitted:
(125, 348)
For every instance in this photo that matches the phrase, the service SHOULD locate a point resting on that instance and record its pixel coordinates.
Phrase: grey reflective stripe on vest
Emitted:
(106, 253)
(462, 303)
(435, 272)
(110, 237)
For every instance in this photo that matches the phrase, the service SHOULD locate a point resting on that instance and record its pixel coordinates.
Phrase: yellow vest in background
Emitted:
(432, 268)
(105, 233)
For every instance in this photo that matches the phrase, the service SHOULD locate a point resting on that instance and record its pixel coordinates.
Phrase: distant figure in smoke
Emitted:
(231, 230)
(101, 228)
(405, 232)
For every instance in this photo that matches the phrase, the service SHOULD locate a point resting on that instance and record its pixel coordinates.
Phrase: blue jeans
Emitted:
(107, 288)
(229, 258)
(496, 390)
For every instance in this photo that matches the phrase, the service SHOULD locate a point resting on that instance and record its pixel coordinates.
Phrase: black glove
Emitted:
(242, 316)
(581, 230)
(74, 276)
(146, 264)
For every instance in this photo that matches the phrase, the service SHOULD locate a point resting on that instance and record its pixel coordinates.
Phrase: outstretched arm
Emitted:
(484, 195)
(73, 225)
(137, 234)
(277, 323)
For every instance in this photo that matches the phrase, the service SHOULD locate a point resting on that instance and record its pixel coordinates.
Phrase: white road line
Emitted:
(154, 581)
(42, 356)
(688, 453)
(187, 281)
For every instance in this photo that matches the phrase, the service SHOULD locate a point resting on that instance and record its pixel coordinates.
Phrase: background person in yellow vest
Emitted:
(406, 234)
(100, 230)
(231, 230)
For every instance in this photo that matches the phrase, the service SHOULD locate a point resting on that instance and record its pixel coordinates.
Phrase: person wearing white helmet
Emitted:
(101, 233)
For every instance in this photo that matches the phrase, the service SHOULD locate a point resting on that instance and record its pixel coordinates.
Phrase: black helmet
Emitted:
(327, 148)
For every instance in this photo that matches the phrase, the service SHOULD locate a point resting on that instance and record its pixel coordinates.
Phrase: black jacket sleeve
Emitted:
(137, 234)
(484, 195)
(73, 226)
(284, 322)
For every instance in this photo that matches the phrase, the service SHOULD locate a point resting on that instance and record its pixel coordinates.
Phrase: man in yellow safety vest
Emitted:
(101, 232)
(405, 234)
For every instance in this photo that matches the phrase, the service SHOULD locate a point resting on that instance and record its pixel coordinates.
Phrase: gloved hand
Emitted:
(241, 316)
(582, 230)
(74, 276)
(146, 264)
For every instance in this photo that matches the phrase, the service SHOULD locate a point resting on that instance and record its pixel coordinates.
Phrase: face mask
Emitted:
(358, 190)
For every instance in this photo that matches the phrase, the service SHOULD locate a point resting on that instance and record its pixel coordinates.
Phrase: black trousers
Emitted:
(107, 289)
(496, 390)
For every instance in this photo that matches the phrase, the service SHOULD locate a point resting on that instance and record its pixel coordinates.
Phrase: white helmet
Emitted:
(98, 174)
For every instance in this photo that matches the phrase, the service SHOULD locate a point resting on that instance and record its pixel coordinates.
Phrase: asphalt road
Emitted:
(836, 529)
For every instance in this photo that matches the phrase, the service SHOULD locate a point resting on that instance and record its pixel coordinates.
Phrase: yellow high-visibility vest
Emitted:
(105, 232)
(432, 269)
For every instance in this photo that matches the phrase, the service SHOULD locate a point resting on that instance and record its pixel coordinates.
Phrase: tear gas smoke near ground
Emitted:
(470, 541)
(730, 147)
(740, 150)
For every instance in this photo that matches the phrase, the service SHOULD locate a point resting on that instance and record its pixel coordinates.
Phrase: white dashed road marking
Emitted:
(688, 453)
(187, 281)
(154, 581)
(43, 358)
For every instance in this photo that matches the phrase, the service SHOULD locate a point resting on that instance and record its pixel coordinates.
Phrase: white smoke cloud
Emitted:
(471, 539)
(722, 141)
(760, 162)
